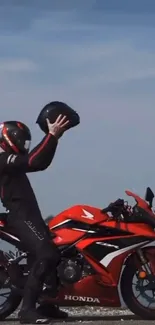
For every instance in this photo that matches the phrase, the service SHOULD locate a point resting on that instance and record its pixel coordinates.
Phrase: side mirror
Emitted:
(149, 196)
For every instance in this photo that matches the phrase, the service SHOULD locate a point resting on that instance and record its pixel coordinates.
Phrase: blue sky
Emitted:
(99, 57)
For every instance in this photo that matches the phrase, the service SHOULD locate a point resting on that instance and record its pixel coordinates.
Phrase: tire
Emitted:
(13, 298)
(9, 306)
(128, 295)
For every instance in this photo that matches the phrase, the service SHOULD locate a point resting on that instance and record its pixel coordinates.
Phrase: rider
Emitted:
(18, 198)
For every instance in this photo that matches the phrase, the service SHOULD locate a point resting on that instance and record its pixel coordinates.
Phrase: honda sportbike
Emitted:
(107, 259)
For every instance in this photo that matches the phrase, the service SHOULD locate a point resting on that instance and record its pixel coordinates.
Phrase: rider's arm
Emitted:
(38, 159)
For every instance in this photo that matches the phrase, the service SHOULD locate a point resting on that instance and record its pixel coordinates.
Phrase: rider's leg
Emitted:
(51, 311)
(35, 238)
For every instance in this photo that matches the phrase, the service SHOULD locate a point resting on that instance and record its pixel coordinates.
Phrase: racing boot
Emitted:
(28, 313)
(31, 316)
(51, 311)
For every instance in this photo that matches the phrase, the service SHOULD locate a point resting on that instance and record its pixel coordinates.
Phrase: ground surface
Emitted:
(94, 316)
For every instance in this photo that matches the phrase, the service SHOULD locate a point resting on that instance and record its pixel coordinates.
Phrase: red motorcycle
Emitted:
(107, 256)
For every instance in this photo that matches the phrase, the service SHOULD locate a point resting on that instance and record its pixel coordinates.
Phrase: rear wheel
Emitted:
(9, 298)
(138, 297)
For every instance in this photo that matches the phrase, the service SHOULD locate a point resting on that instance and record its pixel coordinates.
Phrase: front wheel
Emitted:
(137, 295)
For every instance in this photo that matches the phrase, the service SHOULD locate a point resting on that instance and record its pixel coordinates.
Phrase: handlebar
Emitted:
(116, 208)
(140, 212)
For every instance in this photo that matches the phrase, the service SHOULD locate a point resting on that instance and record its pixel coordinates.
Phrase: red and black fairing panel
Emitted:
(117, 242)
(83, 213)
(88, 291)
(141, 203)
(107, 254)
(105, 249)
(106, 244)
(73, 223)
(143, 210)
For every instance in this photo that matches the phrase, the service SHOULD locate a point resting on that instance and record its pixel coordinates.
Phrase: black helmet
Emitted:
(53, 110)
(15, 137)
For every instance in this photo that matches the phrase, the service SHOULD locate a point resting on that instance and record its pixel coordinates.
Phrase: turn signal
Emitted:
(142, 275)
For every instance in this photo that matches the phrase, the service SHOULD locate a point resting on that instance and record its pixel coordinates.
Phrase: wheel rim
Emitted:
(146, 298)
(4, 296)
(5, 289)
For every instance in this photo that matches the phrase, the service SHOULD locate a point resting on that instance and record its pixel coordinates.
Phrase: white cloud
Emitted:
(89, 64)
(80, 63)
(95, 63)
(86, 71)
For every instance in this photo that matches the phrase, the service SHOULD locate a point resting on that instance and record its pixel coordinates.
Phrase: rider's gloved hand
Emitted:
(118, 203)
(58, 127)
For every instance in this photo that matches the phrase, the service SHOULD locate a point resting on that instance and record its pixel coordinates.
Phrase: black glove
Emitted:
(117, 204)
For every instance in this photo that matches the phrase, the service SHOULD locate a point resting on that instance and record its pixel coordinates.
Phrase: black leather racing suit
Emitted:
(24, 217)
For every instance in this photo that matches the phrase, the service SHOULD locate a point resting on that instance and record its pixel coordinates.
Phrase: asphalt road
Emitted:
(102, 321)
(93, 316)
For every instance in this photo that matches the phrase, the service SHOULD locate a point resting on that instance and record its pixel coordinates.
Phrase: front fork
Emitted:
(144, 261)
(145, 273)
